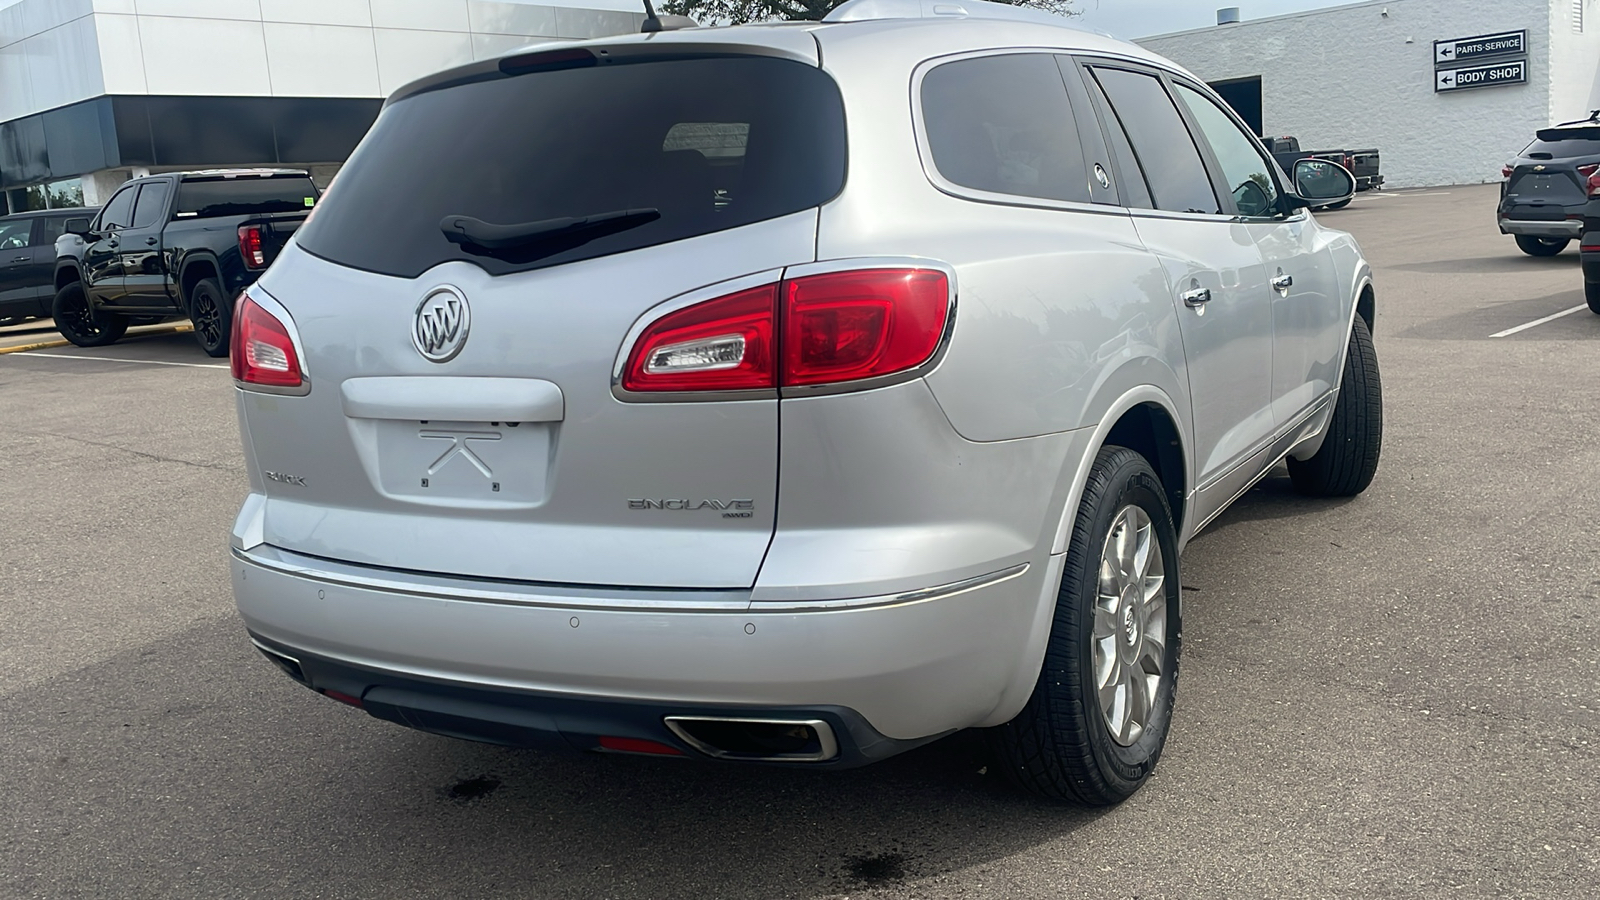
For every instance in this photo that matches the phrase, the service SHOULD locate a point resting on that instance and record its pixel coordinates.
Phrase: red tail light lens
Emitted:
(255, 256)
(1505, 171)
(262, 351)
(836, 327)
(846, 326)
(726, 344)
(1591, 172)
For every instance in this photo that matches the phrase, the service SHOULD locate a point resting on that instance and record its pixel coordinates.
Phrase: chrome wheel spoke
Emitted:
(1129, 637)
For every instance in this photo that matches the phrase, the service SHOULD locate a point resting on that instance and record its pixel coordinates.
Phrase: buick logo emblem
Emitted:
(443, 319)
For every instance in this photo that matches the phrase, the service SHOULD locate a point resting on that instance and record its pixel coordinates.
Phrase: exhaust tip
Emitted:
(287, 663)
(757, 740)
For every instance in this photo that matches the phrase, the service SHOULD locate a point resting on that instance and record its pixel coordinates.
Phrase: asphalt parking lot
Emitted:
(1392, 696)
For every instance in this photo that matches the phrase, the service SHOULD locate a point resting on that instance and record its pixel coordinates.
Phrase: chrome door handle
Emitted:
(23, 259)
(1282, 282)
(1196, 298)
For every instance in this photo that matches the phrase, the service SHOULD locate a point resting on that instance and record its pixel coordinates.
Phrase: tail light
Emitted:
(250, 247)
(1591, 172)
(262, 352)
(827, 328)
(1505, 171)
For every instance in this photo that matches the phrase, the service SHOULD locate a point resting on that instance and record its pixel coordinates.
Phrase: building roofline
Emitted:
(1278, 18)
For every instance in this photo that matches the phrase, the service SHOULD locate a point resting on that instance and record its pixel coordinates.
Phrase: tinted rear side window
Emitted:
(710, 143)
(1004, 124)
(152, 204)
(1166, 152)
(245, 195)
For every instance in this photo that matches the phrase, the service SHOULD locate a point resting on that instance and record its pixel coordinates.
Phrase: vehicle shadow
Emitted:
(204, 766)
(1490, 265)
(1274, 497)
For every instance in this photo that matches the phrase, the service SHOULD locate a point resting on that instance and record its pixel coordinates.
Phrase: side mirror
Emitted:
(1318, 182)
(78, 226)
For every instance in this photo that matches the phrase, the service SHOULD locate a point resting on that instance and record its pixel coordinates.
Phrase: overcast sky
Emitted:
(1138, 18)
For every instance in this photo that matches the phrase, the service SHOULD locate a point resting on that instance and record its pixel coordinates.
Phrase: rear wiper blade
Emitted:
(466, 230)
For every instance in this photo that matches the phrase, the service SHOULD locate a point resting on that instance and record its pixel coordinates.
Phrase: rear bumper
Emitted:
(904, 668)
(1555, 228)
(1368, 182)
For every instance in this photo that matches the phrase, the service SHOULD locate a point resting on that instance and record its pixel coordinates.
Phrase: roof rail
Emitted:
(868, 10)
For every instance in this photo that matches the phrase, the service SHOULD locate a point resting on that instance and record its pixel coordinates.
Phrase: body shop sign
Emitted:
(1510, 72)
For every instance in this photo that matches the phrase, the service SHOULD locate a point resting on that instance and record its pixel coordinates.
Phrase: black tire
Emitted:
(1348, 458)
(1591, 293)
(83, 325)
(211, 315)
(1533, 245)
(1061, 746)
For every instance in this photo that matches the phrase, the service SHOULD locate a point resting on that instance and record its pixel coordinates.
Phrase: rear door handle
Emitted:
(151, 240)
(1196, 298)
(1282, 282)
(23, 259)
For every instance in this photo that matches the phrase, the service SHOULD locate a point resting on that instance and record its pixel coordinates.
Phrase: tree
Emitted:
(737, 12)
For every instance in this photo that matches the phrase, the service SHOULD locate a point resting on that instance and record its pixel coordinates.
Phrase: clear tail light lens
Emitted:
(724, 344)
(250, 247)
(836, 327)
(261, 351)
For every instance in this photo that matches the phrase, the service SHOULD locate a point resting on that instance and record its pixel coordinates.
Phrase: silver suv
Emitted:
(795, 394)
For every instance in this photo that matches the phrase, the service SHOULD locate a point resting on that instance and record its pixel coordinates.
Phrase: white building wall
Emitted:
(57, 52)
(1361, 76)
(1574, 59)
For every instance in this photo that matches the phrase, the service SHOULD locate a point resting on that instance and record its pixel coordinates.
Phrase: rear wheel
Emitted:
(1533, 245)
(1348, 458)
(1098, 718)
(80, 323)
(212, 316)
(1591, 293)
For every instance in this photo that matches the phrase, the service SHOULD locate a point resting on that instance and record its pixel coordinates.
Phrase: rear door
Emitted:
(17, 295)
(145, 277)
(41, 269)
(462, 417)
(1302, 280)
(1214, 272)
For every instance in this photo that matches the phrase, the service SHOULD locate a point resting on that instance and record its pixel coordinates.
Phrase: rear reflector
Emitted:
(638, 745)
(262, 351)
(343, 698)
(837, 327)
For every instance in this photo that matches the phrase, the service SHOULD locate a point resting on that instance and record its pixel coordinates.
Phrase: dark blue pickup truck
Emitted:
(178, 244)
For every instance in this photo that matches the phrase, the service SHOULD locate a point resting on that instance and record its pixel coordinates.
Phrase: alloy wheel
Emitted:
(1130, 625)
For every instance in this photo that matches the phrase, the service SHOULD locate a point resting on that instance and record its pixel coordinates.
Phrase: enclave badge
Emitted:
(440, 329)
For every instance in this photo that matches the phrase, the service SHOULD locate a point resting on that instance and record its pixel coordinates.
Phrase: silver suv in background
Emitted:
(793, 394)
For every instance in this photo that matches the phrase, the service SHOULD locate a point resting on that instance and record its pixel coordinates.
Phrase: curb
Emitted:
(45, 345)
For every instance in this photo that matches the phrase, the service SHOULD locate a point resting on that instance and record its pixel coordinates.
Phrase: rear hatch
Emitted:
(1551, 174)
(514, 458)
(274, 203)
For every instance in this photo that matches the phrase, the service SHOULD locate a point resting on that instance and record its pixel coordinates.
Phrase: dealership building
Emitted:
(93, 92)
(1446, 90)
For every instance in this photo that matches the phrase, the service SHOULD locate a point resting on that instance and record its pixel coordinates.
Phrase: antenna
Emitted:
(652, 22)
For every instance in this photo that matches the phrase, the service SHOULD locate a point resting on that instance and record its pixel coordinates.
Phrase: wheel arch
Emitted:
(67, 273)
(196, 268)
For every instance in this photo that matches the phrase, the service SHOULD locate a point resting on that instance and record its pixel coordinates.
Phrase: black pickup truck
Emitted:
(1363, 164)
(179, 244)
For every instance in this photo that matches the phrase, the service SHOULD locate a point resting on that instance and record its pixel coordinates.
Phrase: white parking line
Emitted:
(142, 362)
(1550, 318)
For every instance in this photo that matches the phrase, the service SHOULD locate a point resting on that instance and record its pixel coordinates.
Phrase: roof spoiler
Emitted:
(1586, 130)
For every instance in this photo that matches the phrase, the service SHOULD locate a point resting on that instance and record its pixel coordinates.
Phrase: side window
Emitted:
(1246, 171)
(1004, 124)
(1166, 152)
(48, 229)
(119, 212)
(14, 234)
(1131, 184)
(152, 204)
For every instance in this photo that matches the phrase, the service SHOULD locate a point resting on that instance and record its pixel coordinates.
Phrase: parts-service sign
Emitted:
(1471, 49)
(1511, 72)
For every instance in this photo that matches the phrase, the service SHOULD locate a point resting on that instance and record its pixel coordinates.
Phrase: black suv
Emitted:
(1546, 186)
(28, 262)
(177, 244)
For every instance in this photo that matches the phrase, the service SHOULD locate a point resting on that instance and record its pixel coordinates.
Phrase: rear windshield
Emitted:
(709, 143)
(245, 195)
(1552, 144)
